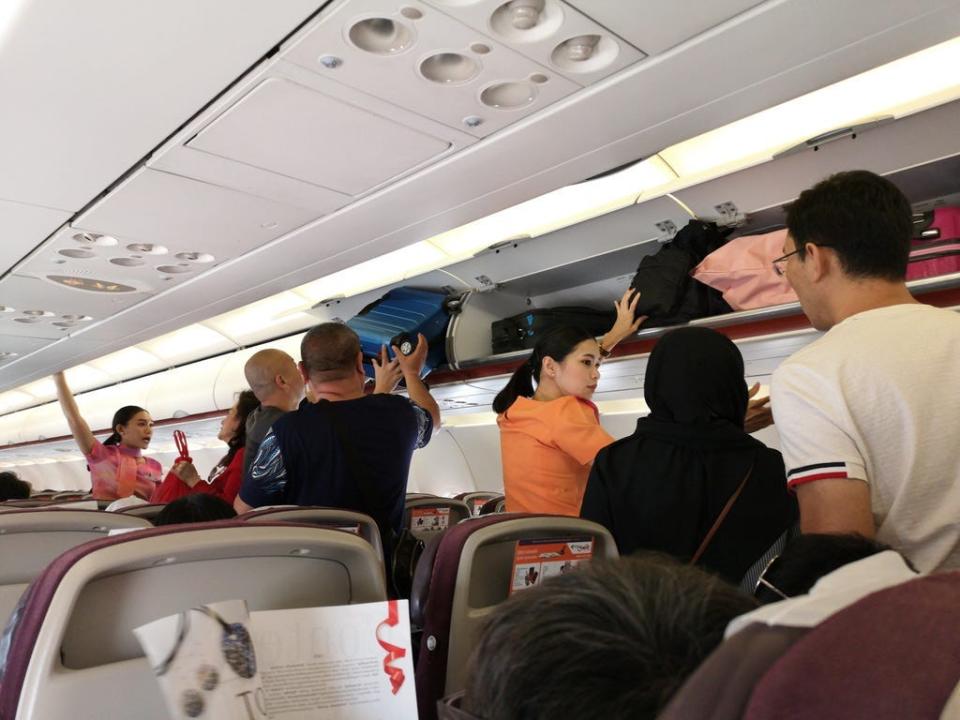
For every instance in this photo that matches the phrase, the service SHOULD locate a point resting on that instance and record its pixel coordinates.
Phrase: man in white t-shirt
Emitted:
(869, 414)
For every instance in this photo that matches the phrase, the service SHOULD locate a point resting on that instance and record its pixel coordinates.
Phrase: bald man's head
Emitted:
(274, 378)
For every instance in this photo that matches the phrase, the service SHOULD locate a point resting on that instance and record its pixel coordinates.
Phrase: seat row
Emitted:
(74, 594)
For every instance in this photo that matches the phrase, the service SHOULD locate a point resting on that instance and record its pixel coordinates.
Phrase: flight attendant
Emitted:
(117, 466)
(551, 432)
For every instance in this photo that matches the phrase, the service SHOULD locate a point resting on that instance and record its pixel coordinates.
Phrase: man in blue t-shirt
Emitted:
(354, 451)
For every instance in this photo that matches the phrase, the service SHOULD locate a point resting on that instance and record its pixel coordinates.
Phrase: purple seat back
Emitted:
(462, 575)
(893, 654)
(70, 644)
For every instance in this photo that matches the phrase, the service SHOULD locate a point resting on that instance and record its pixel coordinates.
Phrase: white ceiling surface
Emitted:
(236, 181)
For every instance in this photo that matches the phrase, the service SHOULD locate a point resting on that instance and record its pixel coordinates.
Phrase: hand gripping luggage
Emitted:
(397, 318)
(935, 248)
(522, 331)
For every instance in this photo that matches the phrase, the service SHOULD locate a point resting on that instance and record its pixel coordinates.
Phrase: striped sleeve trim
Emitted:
(818, 471)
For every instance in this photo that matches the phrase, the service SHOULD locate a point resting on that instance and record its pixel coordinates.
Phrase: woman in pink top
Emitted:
(117, 467)
(550, 431)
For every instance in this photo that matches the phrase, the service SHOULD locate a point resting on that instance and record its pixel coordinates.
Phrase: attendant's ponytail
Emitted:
(556, 343)
(520, 385)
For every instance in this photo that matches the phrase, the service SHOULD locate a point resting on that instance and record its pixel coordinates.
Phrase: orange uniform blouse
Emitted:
(547, 450)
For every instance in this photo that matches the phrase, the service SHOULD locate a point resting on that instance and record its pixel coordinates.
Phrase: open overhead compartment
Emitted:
(591, 264)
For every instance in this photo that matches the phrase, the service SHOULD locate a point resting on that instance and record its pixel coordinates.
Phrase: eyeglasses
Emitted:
(762, 581)
(780, 264)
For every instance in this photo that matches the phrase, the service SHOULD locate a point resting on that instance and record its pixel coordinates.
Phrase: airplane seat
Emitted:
(69, 495)
(892, 654)
(328, 517)
(477, 499)
(462, 576)
(148, 511)
(423, 518)
(30, 538)
(71, 651)
(494, 505)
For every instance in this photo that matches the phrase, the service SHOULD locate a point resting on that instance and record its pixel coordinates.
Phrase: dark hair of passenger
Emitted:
(613, 639)
(807, 558)
(555, 343)
(195, 508)
(246, 403)
(329, 351)
(121, 417)
(13, 488)
(862, 216)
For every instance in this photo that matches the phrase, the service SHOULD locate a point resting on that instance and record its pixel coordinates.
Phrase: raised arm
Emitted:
(411, 365)
(78, 426)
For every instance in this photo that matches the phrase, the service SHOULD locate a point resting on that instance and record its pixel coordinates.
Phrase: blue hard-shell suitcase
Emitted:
(397, 317)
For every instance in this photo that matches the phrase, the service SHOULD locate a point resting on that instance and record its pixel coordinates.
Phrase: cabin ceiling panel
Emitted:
(291, 130)
(214, 170)
(657, 25)
(496, 85)
(185, 215)
(24, 227)
(48, 303)
(90, 88)
(17, 343)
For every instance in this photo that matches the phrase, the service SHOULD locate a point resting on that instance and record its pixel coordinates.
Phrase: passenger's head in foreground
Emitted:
(12, 487)
(565, 361)
(847, 246)
(807, 558)
(195, 508)
(611, 640)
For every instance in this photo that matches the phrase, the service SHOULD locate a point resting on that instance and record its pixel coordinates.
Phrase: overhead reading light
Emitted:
(580, 48)
(449, 68)
(524, 14)
(526, 21)
(87, 238)
(147, 249)
(509, 95)
(381, 36)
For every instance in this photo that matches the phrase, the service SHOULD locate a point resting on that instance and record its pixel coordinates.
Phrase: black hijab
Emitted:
(663, 487)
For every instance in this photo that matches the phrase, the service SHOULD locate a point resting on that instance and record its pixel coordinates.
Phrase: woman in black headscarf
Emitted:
(664, 487)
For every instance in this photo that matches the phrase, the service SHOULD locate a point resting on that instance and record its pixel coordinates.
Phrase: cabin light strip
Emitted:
(914, 83)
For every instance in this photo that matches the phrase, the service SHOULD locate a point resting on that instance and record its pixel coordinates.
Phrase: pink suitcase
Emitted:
(742, 270)
(936, 243)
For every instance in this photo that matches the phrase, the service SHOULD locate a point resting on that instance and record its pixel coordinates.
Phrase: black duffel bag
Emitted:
(668, 295)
